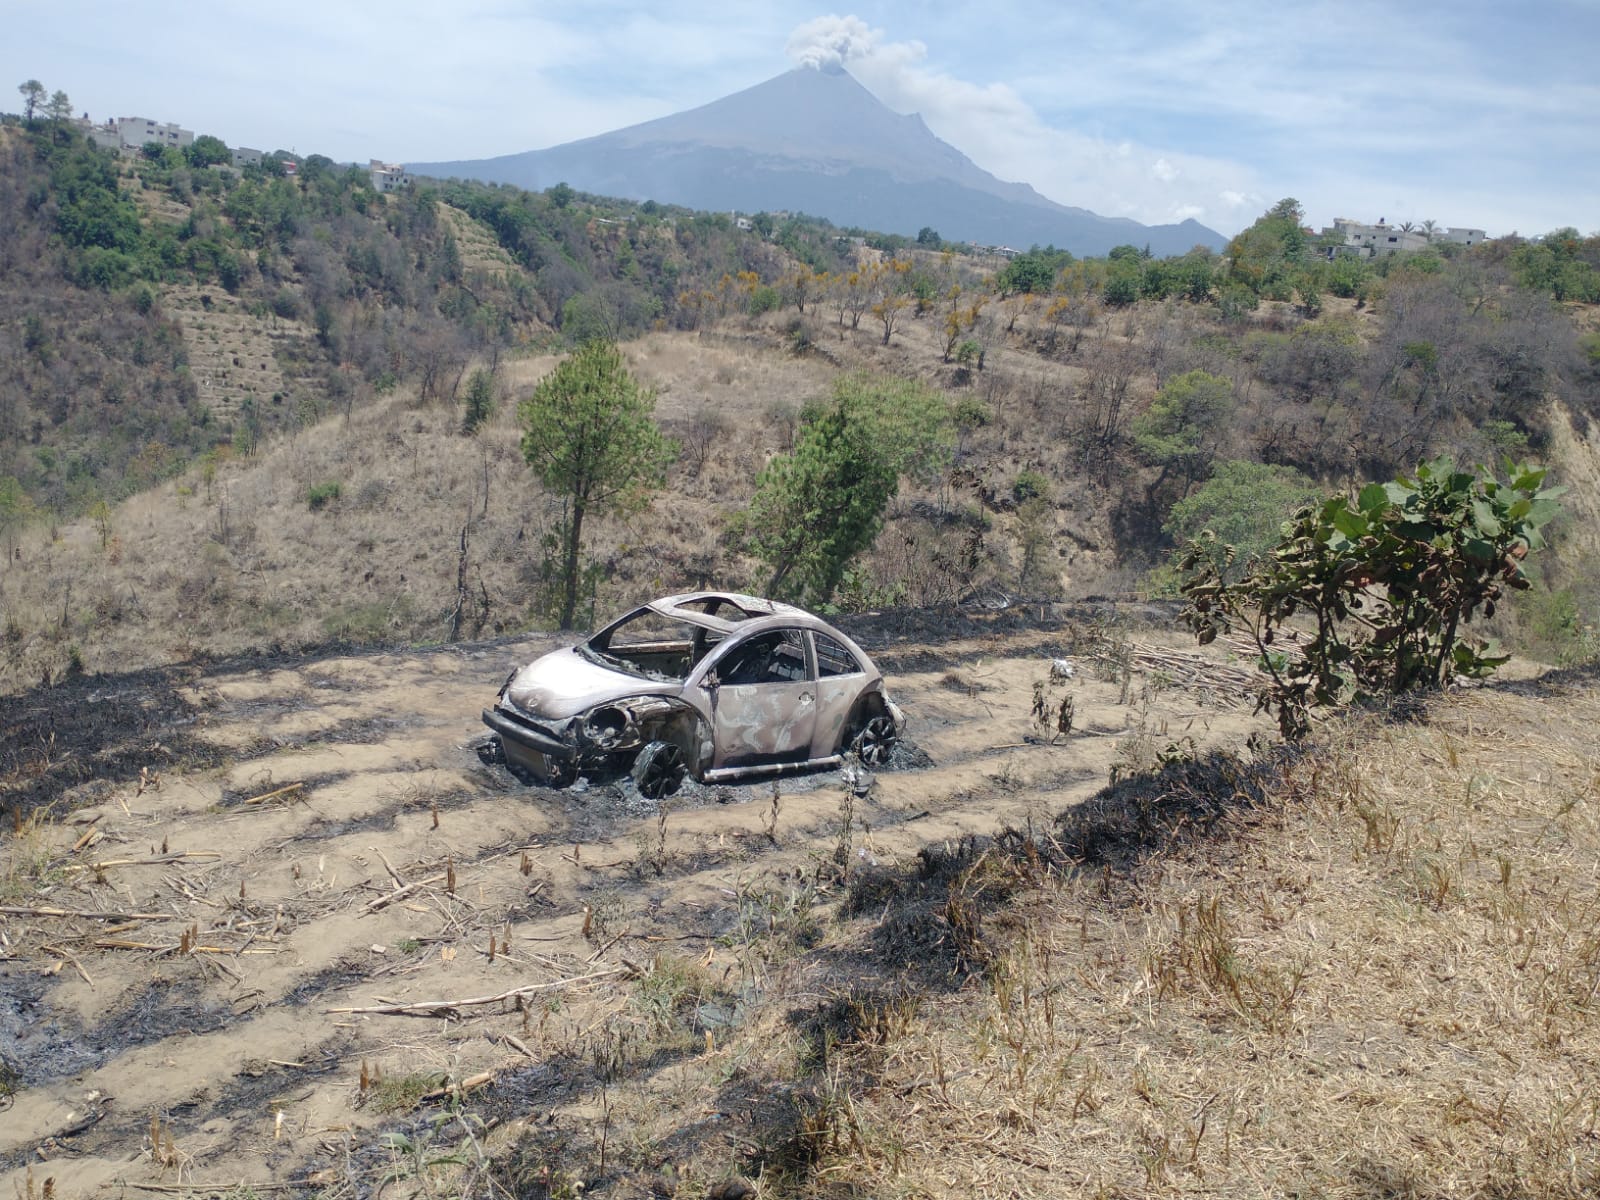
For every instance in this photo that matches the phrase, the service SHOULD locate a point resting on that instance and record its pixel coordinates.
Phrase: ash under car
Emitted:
(708, 685)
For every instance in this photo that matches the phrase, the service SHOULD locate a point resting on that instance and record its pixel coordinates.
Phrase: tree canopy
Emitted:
(1181, 428)
(590, 436)
(818, 507)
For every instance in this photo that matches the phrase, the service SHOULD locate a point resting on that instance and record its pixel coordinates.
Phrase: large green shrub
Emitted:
(1384, 583)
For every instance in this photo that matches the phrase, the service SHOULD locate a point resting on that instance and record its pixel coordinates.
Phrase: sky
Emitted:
(1469, 113)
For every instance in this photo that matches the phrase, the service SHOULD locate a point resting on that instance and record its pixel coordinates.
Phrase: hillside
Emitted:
(239, 424)
(270, 924)
(156, 312)
(1367, 967)
(816, 141)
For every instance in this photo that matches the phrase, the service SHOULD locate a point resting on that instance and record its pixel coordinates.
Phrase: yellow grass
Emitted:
(1387, 985)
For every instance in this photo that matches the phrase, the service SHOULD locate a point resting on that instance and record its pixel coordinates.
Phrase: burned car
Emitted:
(708, 685)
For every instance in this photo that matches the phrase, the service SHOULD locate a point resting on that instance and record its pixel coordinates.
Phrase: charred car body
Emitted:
(709, 685)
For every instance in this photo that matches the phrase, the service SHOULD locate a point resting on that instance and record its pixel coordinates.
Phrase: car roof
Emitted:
(690, 606)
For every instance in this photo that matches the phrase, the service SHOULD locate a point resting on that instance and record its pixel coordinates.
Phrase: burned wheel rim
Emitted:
(875, 742)
(659, 770)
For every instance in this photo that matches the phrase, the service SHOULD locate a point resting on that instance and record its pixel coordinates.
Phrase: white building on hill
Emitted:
(131, 134)
(388, 177)
(137, 132)
(1374, 241)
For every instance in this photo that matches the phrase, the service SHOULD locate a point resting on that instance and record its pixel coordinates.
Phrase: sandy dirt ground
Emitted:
(340, 848)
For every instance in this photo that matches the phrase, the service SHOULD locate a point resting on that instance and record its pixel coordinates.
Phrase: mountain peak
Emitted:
(814, 139)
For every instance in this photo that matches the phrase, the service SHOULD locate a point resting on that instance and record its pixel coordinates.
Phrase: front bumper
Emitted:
(528, 737)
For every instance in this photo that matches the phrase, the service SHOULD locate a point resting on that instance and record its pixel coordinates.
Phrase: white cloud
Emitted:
(999, 130)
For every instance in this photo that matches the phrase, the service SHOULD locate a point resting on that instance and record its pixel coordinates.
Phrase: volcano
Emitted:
(816, 141)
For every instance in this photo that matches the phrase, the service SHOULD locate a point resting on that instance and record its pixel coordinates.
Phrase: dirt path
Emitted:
(344, 849)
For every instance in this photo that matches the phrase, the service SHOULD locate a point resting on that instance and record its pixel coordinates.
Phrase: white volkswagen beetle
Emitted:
(713, 685)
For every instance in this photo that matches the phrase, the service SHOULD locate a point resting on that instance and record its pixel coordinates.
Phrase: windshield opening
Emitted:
(652, 646)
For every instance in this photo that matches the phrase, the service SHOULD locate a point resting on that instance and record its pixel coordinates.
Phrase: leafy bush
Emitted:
(1387, 582)
(764, 299)
(1244, 504)
(823, 503)
(1028, 485)
(323, 494)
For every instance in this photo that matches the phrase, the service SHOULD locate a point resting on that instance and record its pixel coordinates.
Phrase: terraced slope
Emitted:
(334, 855)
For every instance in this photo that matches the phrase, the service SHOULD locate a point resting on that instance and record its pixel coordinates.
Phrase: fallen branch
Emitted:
(457, 1089)
(517, 1044)
(161, 860)
(401, 893)
(439, 1008)
(393, 874)
(63, 952)
(219, 1188)
(265, 796)
(7, 910)
(166, 948)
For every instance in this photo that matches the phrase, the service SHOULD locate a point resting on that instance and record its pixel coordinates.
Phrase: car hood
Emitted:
(564, 683)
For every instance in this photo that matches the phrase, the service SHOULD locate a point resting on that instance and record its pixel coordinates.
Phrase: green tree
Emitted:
(590, 436)
(1181, 429)
(1244, 504)
(1386, 581)
(1034, 272)
(480, 401)
(16, 509)
(929, 237)
(818, 507)
(33, 97)
(1122, 283)
(206, 151)
(1266, 256)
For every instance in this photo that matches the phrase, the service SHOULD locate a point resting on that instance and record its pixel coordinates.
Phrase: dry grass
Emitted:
(235, 559)
(1384, 983)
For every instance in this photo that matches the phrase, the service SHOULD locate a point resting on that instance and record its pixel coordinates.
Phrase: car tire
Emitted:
(875, 740)
(660, 770)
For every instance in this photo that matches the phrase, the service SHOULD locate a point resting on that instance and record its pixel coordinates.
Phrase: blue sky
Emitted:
(1469, 113)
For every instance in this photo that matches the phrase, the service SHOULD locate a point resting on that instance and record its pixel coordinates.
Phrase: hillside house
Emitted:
(1375, 241)
(244, 156)
(388, 177)
(137, 132)
(129, 135)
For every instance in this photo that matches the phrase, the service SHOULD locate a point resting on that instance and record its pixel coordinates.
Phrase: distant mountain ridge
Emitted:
(816, 141)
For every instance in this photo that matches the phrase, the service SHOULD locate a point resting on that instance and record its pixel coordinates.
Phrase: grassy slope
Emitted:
(1383, 980)
(240, 560)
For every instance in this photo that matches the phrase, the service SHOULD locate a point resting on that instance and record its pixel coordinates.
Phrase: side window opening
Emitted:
(833, 659)
(776, 657)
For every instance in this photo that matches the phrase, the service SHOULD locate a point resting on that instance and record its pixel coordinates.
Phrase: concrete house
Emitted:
(388, 177)
(137, 132)
(1375, 241)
